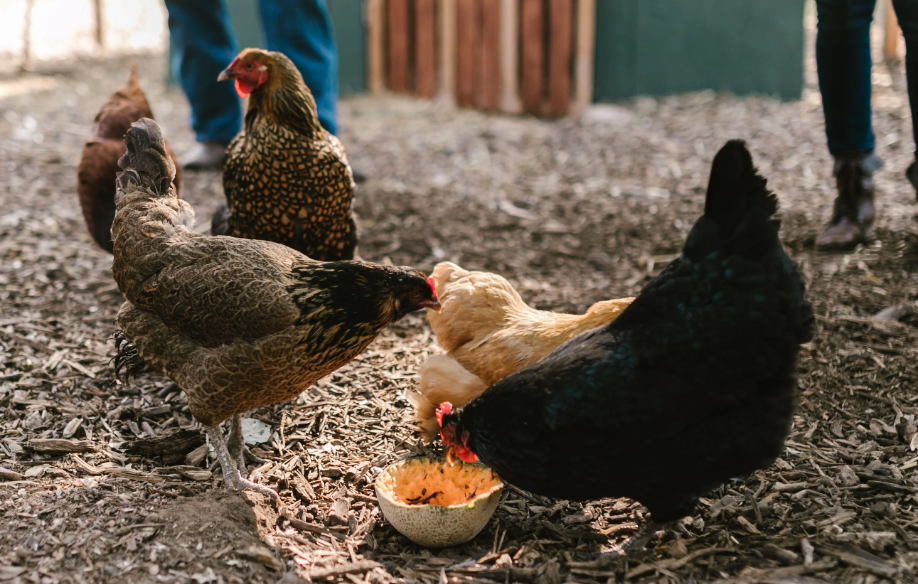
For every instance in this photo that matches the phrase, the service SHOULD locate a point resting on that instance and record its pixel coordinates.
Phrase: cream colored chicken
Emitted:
(488, 333)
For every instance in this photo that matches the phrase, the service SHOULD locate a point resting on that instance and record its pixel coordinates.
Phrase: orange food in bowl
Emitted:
(439, 484)
(435, 504)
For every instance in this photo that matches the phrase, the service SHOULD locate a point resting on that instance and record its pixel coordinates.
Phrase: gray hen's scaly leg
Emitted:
(237, 448)
(235, 444)
(230, 474)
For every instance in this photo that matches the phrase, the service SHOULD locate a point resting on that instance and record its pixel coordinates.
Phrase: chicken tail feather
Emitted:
(733, 174)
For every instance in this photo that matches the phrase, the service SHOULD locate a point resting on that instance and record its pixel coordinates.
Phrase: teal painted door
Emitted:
(658, 47)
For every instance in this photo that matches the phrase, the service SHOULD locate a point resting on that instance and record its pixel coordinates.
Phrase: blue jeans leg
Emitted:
(843, 65)
(203, 45)
(907, 13)
(302, 30)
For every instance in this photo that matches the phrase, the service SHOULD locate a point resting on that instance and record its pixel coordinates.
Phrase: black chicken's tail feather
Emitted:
(735, 188)
(146, 163)
(128, 362)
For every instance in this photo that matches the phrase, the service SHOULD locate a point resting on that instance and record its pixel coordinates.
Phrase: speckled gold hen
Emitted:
(286, 178)
(235, 323)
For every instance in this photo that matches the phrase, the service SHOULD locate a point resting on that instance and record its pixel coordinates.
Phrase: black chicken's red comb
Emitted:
(445, 408)
(433, 285)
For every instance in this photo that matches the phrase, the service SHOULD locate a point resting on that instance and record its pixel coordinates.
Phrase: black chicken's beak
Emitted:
(227, 74)
(432, 304)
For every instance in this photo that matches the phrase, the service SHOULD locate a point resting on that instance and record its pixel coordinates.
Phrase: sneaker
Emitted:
(359, 173)
(204, 156)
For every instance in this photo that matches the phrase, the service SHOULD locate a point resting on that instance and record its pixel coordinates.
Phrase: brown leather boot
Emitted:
(852, 218)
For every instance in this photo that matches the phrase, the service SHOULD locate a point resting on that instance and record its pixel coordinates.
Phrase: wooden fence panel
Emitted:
(467, 24)
(398, 40)
(583, 59)
(376, 45)
(531, 34)
(508, 55)
(561, 36)
(425, 48)
(447, 31)
(489, 69)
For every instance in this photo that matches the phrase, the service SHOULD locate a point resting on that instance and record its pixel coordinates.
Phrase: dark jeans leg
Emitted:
(843, 65)
(907, 13)
(203, 45)
(302, 30)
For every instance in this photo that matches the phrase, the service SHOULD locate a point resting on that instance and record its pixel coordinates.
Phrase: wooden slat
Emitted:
(397, 29)
(583, 59)
(559, 59)
(509, 57)
(99, 23)
(376, 45)
(425, 48)
(891, 36)
(468, 45)
(446, 31)
(532, 49)
(488, 87)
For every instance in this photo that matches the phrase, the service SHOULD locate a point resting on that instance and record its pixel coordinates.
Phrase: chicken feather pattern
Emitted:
(488, 332)
(237, 323)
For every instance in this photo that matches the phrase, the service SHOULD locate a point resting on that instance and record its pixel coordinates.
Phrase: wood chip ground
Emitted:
(101, 482)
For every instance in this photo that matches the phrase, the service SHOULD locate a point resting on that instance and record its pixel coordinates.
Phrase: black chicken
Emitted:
(692, 385)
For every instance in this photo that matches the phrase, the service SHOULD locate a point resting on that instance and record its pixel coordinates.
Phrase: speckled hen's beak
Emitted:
(227, 73)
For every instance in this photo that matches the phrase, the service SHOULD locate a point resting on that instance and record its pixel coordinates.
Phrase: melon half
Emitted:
(436, 504)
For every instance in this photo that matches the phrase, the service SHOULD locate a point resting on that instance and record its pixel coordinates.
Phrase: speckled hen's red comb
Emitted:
(444, 409)
(433, 286)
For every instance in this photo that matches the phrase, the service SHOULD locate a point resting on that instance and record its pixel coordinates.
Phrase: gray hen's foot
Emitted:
(231, 475)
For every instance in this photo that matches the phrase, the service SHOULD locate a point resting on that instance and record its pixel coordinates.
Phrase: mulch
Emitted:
(105, 482)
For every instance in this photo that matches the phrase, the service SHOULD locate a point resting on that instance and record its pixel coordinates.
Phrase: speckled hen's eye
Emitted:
(414, 295)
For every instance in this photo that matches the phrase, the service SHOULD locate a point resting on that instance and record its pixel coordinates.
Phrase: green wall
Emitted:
(643, 47)
(658, 47)
(246, 23)
(348, 20)
(350, 34)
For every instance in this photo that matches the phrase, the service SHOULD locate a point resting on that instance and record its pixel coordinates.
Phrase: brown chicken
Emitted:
(99, 165)
(489, 333)
(285, 177)
(236, 323)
